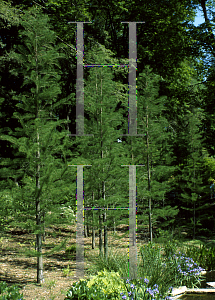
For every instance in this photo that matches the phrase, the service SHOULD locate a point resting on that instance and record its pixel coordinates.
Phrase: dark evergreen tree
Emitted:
(37, 140)
(156, 151)
(192, 170)
(106, 178)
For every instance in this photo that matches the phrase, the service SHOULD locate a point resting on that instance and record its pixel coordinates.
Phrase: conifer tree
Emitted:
(103, 152)
(153, 150)
(39, 142)
(192, 171)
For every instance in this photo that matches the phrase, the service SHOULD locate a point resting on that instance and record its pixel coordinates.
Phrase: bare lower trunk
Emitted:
(85, 231)
(114, 226)
(44, 234)
(194, 221)
(149, 178)
(150, 220)
(86, 224)
(105, 236)
(40, 278)
(93, 238)
(93, 229)
(100, 235)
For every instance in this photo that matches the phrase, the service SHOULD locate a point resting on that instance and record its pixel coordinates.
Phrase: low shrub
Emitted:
(105, 285)
(78, 291)
(9, 292)
(67, 271)
(110, 283)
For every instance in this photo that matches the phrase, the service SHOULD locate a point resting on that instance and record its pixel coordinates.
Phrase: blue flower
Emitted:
(146, 280)
(156, 291)
(148, 290)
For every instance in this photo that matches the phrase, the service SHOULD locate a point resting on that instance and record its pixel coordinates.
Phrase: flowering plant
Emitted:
(187, 272)
(143, 292)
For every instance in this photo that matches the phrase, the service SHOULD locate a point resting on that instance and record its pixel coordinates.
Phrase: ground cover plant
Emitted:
(9, 292)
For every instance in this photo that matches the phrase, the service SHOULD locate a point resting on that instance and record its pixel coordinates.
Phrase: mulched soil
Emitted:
(21, 270)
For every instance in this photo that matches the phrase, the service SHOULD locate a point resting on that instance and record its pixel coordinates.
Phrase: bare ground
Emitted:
(21, 270)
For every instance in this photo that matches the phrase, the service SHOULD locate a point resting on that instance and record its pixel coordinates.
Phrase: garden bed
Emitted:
(59, 270)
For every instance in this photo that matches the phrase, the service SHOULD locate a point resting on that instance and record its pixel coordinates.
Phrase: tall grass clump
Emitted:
(116, 262)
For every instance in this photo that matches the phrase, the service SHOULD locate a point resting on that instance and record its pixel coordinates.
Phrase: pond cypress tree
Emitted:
(39, 143)
(192, 170)
(154, 150)
(106, 178)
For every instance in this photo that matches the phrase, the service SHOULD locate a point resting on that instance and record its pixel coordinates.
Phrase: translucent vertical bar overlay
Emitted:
(132, 117)
(132, 102)
(80, 223)
(132, 223)
(80, 81)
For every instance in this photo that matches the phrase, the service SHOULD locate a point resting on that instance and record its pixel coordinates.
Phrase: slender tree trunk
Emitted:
(40, 278)
(194, 221)
(105, 227)
(103, 196)
(114, 226)
(44, 234)
(85, 231)
(85, 225)
(67, 117)
(194, 186)
(194, 204)
(100, 213)
(93, 233)
(100, 234)
(105, 236)
(149, 177)
(93, 228)
(88, 230)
